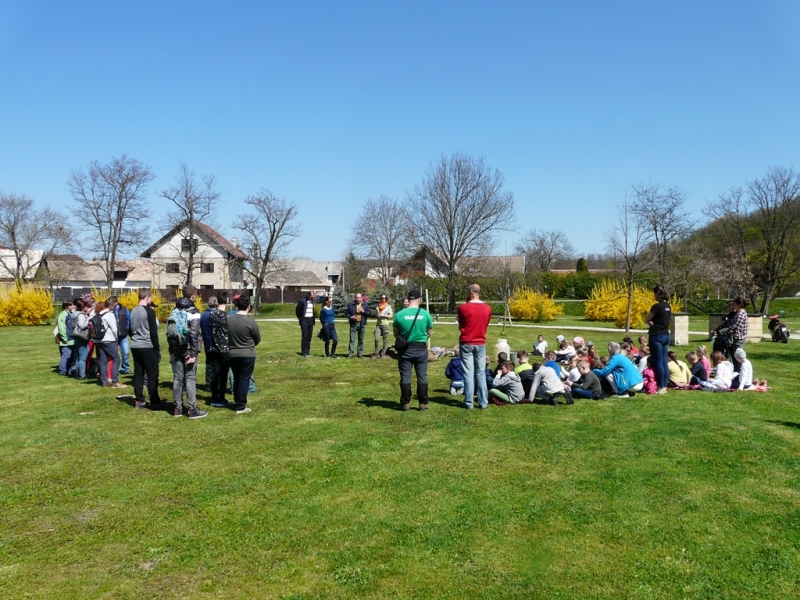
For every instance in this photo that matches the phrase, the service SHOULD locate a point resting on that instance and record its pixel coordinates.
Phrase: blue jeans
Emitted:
(82, 349)
(473, 362)
(125, 352)
(582, 393)
(66, 360)
(659, 346)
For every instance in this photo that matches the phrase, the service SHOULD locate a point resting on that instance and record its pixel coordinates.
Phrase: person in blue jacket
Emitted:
(620, 377)
(455, 373)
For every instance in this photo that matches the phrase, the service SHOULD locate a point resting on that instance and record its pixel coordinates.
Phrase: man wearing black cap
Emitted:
(414, 324)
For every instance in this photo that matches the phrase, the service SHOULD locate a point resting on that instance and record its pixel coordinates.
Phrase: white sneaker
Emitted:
(453, 391)
(246, 409)
(661, 391)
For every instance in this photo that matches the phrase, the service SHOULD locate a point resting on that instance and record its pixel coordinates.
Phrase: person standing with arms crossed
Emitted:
(357, 313)
(473, 322)
(414, 324)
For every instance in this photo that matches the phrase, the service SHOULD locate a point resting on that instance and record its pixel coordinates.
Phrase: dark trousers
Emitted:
(107, 351)
(145, 362)
(242, 367)
(307, 330)
(659, 347)
(219, 375)
(329, 335)
(416, 357)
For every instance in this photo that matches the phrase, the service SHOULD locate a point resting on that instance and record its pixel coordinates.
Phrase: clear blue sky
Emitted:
(332, 103)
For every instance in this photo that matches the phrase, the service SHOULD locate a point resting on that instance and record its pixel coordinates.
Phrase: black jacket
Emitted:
(300, 311)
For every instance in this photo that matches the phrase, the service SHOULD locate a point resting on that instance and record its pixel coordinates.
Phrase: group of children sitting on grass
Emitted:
(577, 370)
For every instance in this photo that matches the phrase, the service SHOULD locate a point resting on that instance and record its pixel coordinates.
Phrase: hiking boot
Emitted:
(197, 413)
(178, 412)
(423, 406)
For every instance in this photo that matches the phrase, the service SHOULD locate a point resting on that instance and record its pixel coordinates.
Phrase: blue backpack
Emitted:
(177, 328)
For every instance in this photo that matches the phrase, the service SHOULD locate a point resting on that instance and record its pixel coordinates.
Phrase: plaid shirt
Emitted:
(739, 325)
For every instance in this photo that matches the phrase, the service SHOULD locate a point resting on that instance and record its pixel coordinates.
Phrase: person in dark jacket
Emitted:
(184, 357)
(205, 330)
(455, 373)
(145, 349)
(305, 316)
(357, 313)
(123, 325)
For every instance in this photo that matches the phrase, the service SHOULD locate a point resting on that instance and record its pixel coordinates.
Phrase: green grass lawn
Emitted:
(326, 490)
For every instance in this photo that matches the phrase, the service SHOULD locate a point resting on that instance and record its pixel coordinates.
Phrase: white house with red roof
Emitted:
(217, 262)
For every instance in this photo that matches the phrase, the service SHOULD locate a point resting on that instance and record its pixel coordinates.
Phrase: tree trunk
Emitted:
(628, 312)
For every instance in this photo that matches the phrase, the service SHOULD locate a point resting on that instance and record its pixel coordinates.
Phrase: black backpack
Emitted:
(97, 328)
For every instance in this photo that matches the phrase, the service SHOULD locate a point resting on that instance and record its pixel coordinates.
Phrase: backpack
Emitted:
(177, 328)
(97, 328)
(70, 322)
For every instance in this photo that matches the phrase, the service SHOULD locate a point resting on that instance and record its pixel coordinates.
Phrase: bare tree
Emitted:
(627, 241)
(267, 228)
(457, 209)
(661, 208)
(543, 248)
(111, 203)
(29, 236)
(763, 228)
(381, 231)
(194, 201)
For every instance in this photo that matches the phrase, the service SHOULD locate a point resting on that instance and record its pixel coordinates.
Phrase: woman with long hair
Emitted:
(659, 319)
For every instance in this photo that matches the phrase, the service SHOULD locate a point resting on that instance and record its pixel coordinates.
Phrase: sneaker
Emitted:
(246, 409)
(423, 406)
(376, 355)
(219, 404)
(568, 397)
(197, 413)
(350, 355)
(621, 396)
(360, 356)
(661, 391)
(335, 356)
(178, 412)
(405, 407)
(553, 401)
(453, 391)
(140, 404)
(467, 406)
(117, 385)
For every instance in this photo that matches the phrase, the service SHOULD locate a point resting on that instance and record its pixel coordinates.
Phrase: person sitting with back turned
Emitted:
(455, 373)
(547, 385)
(619, 377)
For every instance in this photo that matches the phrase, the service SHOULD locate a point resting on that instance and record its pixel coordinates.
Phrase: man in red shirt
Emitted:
(473, 321)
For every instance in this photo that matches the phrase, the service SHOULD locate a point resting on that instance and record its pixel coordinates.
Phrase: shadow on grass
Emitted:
(372, 402)
(791, 424)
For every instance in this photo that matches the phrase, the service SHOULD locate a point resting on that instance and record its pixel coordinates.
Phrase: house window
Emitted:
(207, 267)
(120, 275)
(185, 245)
(173, 268)
(172, 287)
(206, 287)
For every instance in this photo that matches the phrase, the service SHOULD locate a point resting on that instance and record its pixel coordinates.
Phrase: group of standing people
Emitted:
(229, 340)
(357, 313)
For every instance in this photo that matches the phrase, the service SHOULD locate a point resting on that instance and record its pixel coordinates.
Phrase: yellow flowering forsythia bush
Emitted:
(28, 305)
(609, 302)
(528, 305)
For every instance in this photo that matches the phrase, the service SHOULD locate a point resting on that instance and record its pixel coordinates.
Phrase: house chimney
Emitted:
(235, 242)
